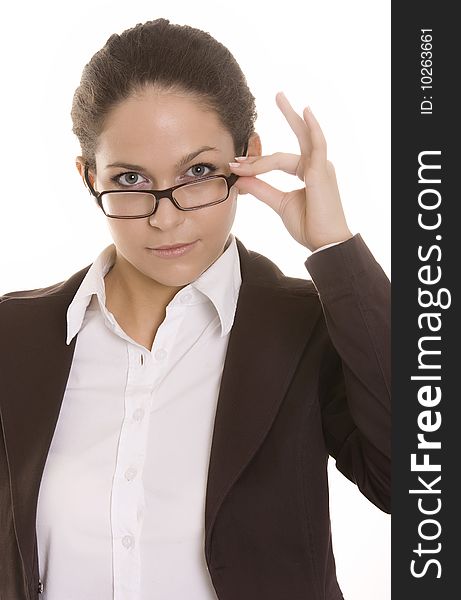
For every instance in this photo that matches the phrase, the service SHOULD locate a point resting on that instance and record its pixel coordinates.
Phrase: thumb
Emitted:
(246, 185)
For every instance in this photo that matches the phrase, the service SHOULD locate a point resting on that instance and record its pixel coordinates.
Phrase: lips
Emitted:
(173, 246)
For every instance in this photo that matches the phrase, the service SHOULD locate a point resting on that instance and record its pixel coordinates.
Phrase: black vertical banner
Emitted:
(426, 270)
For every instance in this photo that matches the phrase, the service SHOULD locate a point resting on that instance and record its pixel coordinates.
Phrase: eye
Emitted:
(200, 169)
(132, 178)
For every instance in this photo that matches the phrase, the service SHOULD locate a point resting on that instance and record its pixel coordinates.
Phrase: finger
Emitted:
(319, 143)
(280, 161)
(261, 190)
(247, 159)
(296, 122)
(270, 195)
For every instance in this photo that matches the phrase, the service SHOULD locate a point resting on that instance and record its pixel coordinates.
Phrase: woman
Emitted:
(167, 415)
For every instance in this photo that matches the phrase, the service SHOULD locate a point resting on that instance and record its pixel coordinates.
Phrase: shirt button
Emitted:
(138, 414)
(186, 298)
(160, 354)
(130, 473)
(128, 541)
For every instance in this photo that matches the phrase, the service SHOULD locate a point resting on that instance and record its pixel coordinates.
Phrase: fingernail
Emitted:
(241, 157)
(232, 164)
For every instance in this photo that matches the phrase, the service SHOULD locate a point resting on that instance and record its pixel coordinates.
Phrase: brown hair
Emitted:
(174, 57)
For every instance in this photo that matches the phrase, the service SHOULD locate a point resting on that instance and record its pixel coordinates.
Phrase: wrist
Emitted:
(331, 241)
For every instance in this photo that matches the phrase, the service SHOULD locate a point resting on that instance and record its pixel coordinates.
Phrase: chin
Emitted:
(173, 276)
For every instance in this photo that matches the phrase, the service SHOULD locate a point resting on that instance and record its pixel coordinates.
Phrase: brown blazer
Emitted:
(306, 375)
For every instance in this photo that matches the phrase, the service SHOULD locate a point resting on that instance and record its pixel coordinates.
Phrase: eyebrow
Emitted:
(181, 163)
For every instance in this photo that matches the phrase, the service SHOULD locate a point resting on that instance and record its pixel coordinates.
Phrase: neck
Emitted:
(134, 295)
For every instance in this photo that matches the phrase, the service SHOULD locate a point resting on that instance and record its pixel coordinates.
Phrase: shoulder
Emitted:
(66, 287)
(31, 293)
(258, 270)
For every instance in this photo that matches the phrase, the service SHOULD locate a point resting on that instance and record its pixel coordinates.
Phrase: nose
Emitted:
(167, 215)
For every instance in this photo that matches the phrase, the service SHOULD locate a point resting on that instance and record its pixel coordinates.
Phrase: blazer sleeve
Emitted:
(354, 379)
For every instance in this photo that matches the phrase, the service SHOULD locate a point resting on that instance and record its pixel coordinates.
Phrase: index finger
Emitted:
(296, 122)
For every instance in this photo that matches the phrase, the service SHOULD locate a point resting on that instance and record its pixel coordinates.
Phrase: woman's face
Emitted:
(156, 130)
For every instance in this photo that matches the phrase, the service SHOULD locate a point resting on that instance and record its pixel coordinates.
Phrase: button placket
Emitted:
(130, 473)
(138, 414)
(128, 541)
(161, 354)
(128, 492)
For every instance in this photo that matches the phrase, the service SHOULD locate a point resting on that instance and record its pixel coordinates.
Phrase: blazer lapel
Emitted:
(271, 327)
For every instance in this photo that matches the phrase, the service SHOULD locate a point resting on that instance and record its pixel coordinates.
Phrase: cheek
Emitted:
(124, 230)
(220, 218)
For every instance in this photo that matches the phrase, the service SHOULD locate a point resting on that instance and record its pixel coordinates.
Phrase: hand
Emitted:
(313, 215)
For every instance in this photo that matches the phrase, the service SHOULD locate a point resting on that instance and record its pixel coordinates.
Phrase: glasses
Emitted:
(122, 204)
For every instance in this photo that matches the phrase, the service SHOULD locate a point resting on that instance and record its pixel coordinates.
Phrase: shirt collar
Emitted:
(219, 284)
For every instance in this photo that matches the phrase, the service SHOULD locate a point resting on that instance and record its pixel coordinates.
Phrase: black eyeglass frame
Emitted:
(167, 193)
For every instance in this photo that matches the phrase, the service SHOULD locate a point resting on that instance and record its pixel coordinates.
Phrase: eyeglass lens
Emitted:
(137, 203)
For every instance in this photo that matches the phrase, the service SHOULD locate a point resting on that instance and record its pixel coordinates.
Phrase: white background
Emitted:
(332, 55)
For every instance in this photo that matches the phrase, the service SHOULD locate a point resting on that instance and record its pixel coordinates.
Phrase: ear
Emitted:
(254, 145)
(80, 164)
(254, 149)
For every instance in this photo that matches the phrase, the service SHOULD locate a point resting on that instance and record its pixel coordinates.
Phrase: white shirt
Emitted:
(121, 506)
